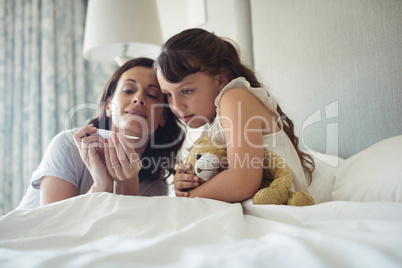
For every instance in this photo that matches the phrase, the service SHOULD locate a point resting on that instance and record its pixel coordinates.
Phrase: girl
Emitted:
(206, 83)
(131, 104)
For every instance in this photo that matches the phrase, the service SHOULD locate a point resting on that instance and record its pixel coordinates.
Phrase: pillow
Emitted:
(323, 177)
(374, 174)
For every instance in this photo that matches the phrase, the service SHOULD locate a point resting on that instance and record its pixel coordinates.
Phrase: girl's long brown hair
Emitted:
(170, 137)
(196, 50)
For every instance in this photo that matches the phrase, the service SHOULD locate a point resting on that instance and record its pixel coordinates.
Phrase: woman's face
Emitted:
(137, 107)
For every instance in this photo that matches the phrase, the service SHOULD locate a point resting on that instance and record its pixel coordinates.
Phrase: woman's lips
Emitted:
(136, 112)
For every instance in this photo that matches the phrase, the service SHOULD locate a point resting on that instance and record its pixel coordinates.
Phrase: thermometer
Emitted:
(106, 134)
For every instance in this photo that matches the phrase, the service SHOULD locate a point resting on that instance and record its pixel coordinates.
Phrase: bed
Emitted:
(356, 222)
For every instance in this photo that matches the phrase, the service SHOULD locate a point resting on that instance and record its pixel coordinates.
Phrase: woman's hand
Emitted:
(123, 164)
(92, 154)
(184, 182)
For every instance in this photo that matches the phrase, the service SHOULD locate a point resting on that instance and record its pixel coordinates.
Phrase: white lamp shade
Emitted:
(113, 24)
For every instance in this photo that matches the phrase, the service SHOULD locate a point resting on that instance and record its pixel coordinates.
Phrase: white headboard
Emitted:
(335, 68)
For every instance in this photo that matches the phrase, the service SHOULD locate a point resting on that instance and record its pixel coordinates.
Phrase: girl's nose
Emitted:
(178, 104)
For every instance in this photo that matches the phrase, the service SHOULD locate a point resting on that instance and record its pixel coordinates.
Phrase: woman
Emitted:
(131, 104)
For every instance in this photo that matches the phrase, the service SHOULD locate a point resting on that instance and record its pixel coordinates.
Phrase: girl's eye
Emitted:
(168, 95)
(187, 91)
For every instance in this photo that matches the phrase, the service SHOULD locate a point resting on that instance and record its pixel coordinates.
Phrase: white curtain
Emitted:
(42, 77)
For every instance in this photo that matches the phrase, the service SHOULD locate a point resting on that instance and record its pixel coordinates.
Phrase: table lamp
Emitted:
(118, 30)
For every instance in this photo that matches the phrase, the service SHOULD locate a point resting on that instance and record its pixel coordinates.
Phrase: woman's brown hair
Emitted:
(197, 50)
(168, 139)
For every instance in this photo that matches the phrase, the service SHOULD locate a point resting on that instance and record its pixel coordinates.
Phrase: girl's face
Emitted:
(136, 107)
(193, 99)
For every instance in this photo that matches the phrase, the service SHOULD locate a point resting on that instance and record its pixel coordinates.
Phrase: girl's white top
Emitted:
(277, 142)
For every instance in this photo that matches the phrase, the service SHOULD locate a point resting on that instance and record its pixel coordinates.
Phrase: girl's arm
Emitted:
(53, 189)
(184, 182)
(244, 120)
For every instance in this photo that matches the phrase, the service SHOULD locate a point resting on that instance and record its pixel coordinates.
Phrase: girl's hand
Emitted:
(91, 152)
(123, 164)
(184, 182)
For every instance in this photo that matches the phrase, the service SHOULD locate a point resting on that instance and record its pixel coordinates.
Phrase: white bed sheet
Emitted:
(107, 230)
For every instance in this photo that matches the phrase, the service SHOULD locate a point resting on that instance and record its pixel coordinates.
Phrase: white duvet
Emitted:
(107, 230)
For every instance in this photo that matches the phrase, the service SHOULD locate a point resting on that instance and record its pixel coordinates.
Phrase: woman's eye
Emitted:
(152, 96)
(128, 91)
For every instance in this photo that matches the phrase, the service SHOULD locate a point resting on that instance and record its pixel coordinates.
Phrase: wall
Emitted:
(227, 18)
(335, 68)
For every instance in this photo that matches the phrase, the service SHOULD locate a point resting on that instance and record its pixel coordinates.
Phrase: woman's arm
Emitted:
(123, 165)
(113, 163)
(127, 187)
(91, 149)
(53, 189)
(244, 120)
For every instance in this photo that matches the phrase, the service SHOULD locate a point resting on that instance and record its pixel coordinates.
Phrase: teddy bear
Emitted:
(208, 159)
